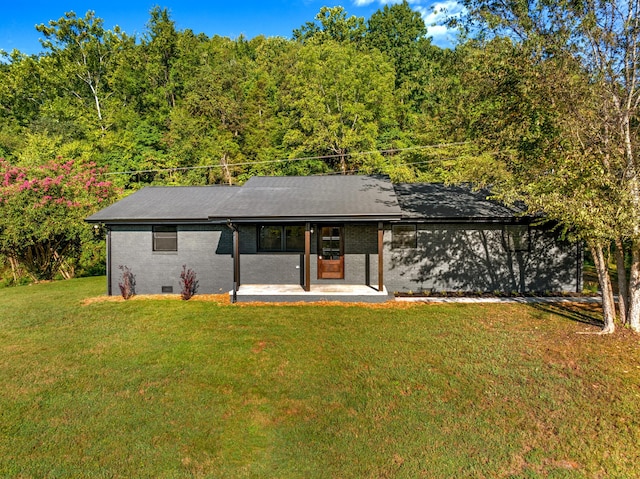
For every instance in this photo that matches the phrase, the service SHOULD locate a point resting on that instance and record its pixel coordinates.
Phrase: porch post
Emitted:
(380, 257)
(236, 257)
(307, 257)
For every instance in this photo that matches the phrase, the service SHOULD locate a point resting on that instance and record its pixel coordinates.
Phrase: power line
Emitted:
(323, 157)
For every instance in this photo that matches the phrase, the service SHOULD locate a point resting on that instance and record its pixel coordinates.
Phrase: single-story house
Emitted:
(332, 237)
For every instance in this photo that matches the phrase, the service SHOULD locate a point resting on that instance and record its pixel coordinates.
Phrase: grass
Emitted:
(174, 389)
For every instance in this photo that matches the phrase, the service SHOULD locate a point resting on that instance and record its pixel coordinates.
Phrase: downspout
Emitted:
(236, 261)
(109, 292)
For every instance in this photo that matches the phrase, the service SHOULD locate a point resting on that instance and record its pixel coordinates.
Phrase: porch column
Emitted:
(236, 256)
(380, 256)
(307, 257)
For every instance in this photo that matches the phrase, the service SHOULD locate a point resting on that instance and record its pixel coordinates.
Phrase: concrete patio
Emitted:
(351, 293)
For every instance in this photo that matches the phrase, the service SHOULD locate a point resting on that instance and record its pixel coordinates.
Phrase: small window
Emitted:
(165, 238)
(294, 238)
(275, 238)
(404, 236)
(517, 238)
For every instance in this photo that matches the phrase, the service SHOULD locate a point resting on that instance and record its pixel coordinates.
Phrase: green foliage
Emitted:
(399, 33)
(340, 113)
(179, 108)
(42, 213)
(332, 24)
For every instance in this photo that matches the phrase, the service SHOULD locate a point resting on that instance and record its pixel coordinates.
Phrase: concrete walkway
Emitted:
(525, 300)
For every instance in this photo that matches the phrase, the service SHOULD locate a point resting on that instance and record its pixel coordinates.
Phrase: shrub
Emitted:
(188, 282)
(127, 283)
(42, 212)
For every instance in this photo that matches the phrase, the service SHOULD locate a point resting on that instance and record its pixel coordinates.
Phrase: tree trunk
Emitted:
(623, 283)
(608, 304)
(633, 317)
(225, 169)
(15, 268)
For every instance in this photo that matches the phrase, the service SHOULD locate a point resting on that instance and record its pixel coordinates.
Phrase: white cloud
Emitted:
(435, 19)
(434, 14)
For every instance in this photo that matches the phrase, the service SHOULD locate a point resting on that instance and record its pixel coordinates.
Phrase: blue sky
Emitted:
(226, 18)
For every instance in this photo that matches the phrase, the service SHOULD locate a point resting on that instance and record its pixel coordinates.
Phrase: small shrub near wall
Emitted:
(188, 282)
(127, 283)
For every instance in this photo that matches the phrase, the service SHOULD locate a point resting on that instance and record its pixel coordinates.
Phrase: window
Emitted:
(517, 238)
(275, 238)
(404, 236)
(165, 238)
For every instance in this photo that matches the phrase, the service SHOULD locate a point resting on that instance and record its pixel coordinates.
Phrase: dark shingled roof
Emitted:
(438, 202)
(307, 198)
(312, 198)
(168, 204)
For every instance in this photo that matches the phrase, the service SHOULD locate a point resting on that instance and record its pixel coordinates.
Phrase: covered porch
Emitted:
(318, 238)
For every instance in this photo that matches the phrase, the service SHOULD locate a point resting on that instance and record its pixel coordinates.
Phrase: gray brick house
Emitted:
(331, 237)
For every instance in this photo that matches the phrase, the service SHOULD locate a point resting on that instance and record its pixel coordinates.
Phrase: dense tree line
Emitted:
(538, 100)
(179, 107)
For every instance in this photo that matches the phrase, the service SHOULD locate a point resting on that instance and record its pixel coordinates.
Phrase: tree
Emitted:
(587, 158)
(339, 101)
(208, 126)
(84, 51)
(332, 24)
(398, 32)
(42, 211)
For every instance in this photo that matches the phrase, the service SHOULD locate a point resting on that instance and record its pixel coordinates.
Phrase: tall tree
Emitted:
(160, 50)
(597, 43)
(397, 31)
(209, 125)
(340, 102)
(84, 51)
(332, 23)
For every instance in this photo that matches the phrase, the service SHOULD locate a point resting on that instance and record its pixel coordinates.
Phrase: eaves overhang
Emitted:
(156, 221)
(526, 220)
(311, 219)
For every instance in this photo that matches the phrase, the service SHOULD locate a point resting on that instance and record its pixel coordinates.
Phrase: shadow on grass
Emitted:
(585, 313)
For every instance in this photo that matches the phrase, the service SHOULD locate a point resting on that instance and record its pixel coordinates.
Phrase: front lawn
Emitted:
(171, 389)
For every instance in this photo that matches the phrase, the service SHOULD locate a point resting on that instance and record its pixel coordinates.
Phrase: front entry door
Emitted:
(330, 253)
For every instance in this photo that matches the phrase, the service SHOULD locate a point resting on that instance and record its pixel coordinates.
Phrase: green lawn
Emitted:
(172, 389)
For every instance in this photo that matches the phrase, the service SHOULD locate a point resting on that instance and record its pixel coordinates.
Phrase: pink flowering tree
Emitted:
(42, 211)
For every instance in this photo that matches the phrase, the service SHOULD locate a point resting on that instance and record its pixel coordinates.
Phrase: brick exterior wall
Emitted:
(458, 257)
(451, 257)
(206, 249)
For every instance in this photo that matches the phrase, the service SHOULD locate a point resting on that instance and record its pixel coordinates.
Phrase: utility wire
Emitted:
(323, 157)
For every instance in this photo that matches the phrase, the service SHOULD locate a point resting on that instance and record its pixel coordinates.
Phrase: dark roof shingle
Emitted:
(166, 204)
(282, 198)
(438, 202)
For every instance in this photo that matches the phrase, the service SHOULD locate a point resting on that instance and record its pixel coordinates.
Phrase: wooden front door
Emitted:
(330, 253)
